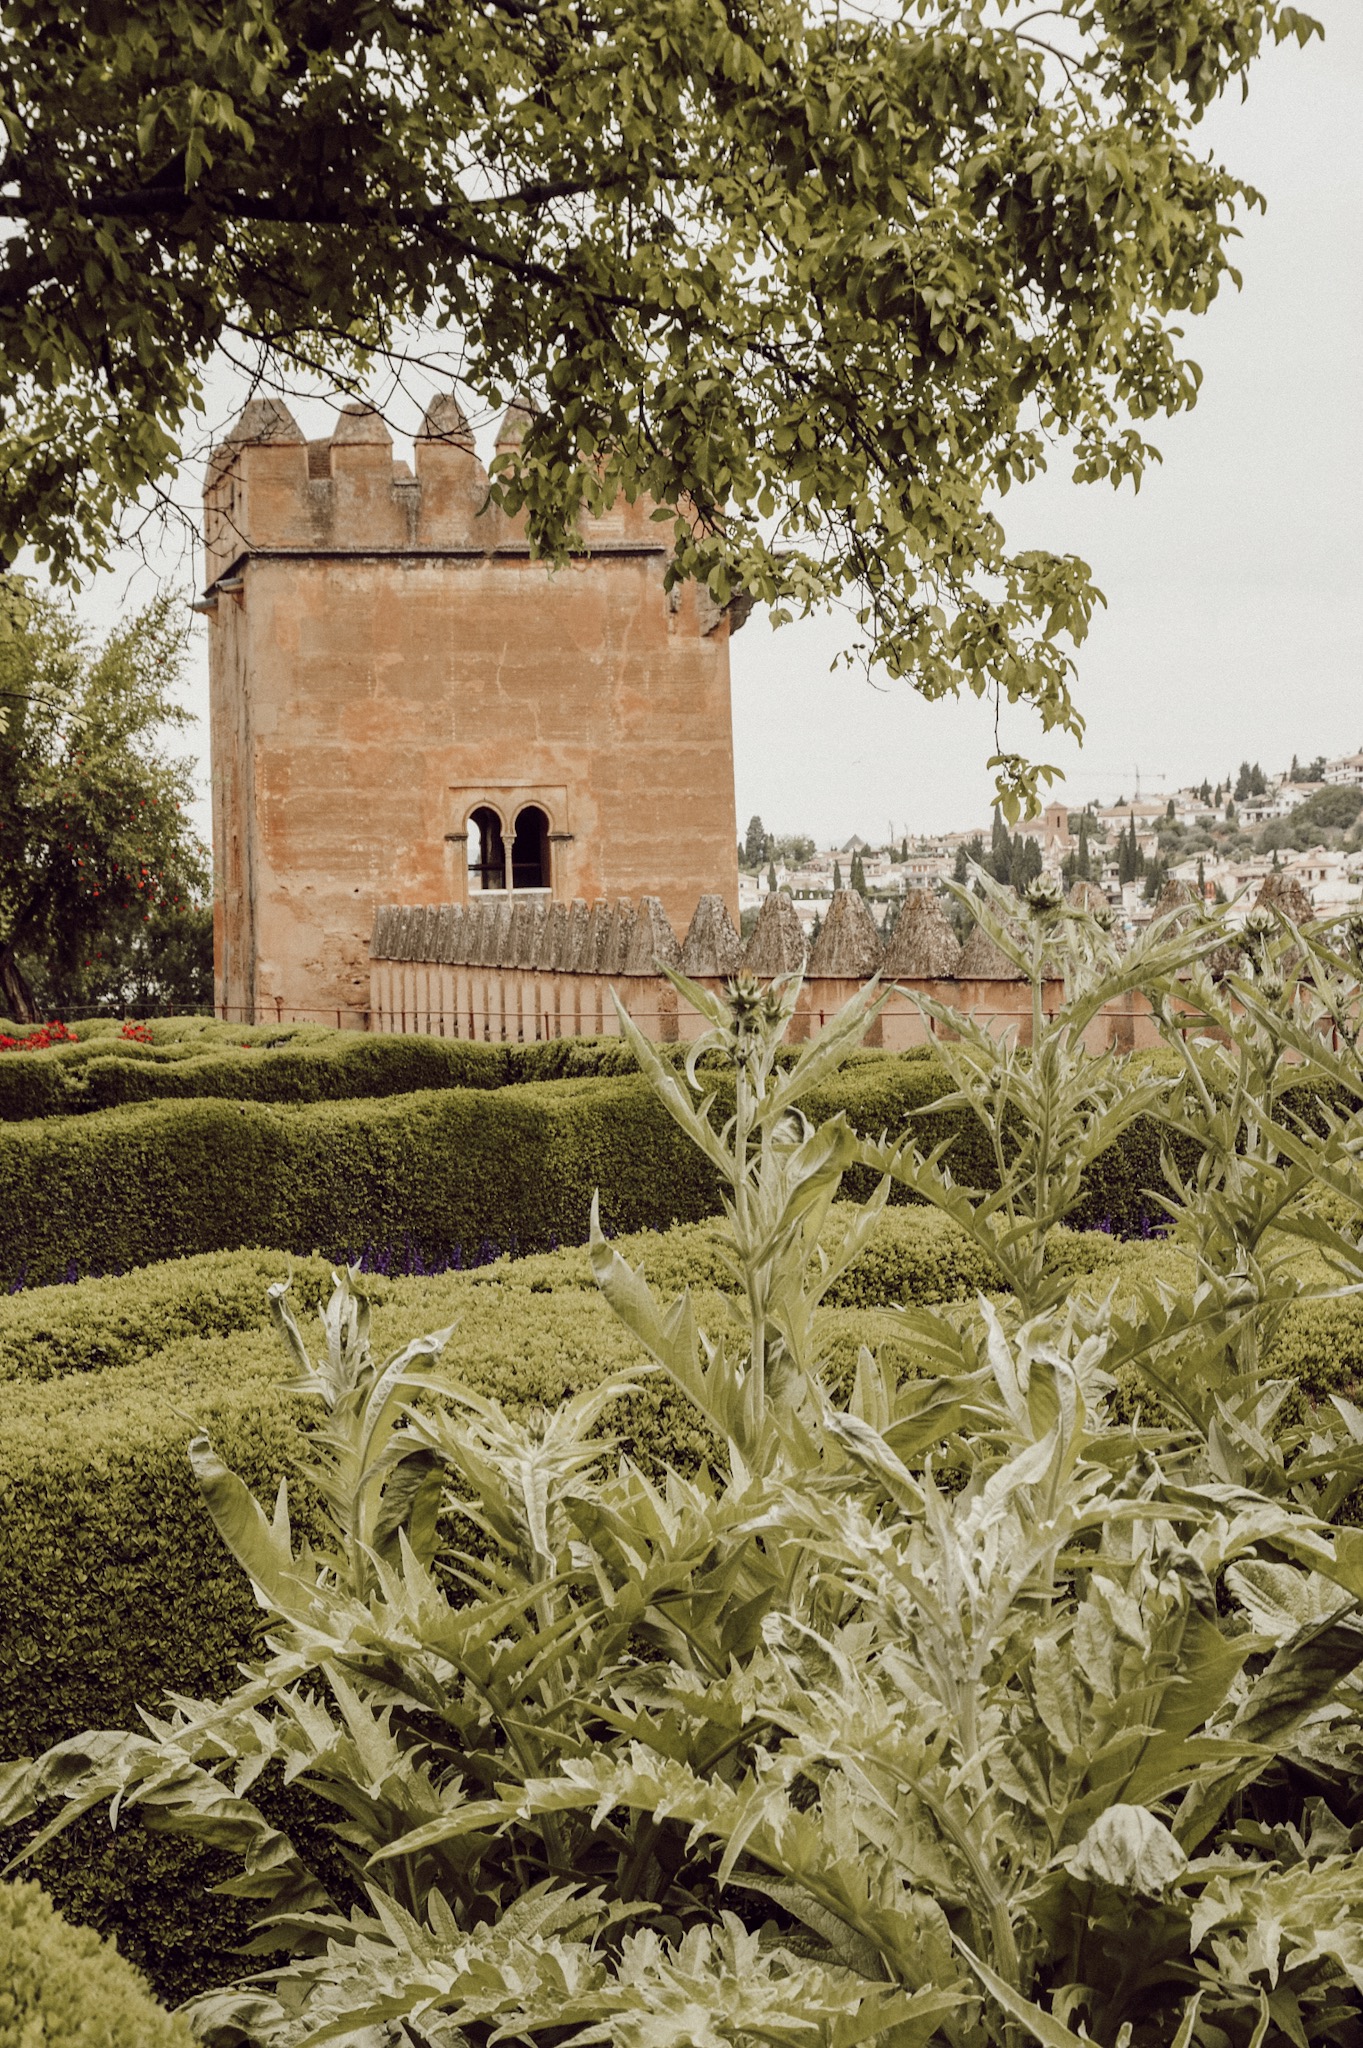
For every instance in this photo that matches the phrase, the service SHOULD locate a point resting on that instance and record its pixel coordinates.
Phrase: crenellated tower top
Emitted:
(269, 491)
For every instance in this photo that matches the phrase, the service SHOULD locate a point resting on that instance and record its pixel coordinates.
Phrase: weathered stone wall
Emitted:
(551, 971)
(385, 655)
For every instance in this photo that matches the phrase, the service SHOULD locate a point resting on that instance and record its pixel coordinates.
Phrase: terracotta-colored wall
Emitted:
(384, 655)
(435, 970)
(520, 1004)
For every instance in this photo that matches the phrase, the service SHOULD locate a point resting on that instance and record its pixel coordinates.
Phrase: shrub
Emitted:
(288, 1064)
(913, 1255)
(96, 1324)
(62, 1987)
(441, 1175)
(111, 1586)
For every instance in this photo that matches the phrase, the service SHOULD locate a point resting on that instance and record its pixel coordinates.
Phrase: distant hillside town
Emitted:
(1220, 838)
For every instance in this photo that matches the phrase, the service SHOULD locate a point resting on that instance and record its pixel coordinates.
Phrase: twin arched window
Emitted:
(529, 850)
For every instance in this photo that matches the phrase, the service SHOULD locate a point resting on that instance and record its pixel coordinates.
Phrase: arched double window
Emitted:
(489, 867)
(530, 849)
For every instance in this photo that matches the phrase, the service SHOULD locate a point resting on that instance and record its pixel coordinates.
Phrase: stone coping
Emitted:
(624, 938)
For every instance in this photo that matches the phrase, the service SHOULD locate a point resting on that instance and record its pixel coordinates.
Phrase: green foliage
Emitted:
(1336, 807)
(433, 1172)
(112, 1590)
(48, 1332)
(912, 1255)
(61, 1985)
(281, 1064)
(97, 863)
(440, 1172)
(1052, 1112)
(832, 283)
(965, 1710)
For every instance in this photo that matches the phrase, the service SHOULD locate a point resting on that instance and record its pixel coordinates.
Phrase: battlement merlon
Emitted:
(270, 492)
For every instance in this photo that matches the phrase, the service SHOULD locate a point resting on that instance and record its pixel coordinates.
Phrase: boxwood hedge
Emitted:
(454, 1174)
(306, 1065)
(62, 1987)
(114, 1587)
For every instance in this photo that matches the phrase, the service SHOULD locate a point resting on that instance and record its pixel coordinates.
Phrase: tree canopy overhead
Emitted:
(830, 281)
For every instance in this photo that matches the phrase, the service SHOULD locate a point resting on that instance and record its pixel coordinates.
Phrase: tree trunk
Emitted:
(16, 997)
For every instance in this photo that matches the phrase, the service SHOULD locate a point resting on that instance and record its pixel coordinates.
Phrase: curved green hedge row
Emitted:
(114, 1587)
(440, 1176)
(46, 1332)
(282, 1064)
(62, 1987)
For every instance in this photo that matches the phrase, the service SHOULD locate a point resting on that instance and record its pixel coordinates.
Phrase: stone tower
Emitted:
(406, 708)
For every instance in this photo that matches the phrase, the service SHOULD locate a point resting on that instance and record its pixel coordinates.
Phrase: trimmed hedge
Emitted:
(62, 1987)
(48, 1331)
(109, 1073)
(114, 1587)
(290, 1064)
(454, 1175)
(45, 1332)
(448, 1174)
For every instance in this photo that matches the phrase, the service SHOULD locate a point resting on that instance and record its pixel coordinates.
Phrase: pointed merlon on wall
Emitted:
(597, 937)
(552, 957)
(848, 947)
(777, 945)
(445, 422)
(982, 960)
(518, 939)
(516, 423)
(623, 921)
(265, 422)
(380, 942)
(579, 921)
(922, 947)
(711, 947)
(361, 425)
(654, 943)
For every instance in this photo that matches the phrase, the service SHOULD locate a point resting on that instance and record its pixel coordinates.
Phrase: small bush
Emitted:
(62, 1987)
(114, 1588)
(96, 1324)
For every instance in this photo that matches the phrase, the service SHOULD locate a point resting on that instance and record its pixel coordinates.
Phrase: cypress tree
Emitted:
(1000, 848)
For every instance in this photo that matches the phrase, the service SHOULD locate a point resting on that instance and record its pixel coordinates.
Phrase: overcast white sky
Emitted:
(1233, 625)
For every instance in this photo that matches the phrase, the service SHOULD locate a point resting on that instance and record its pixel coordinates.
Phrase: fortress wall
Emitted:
(464, 973)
